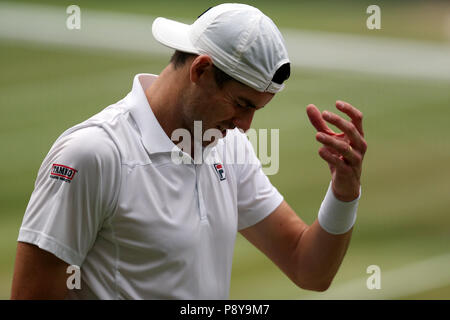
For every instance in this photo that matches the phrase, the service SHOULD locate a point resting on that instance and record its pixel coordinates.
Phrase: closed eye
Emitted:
(246, 107)
(245, 103)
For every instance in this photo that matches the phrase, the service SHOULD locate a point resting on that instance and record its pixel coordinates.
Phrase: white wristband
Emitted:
(336, 216)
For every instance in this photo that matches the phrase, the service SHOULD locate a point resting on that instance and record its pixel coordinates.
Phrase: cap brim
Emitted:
(173, 34)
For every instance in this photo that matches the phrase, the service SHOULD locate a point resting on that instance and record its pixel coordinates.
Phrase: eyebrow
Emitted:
(247, 102)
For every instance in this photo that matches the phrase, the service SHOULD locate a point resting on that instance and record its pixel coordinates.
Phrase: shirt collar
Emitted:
(153, 136)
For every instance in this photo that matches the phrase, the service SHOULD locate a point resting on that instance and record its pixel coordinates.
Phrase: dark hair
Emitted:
(179, 58)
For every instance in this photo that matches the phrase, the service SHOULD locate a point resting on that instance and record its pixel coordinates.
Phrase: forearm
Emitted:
(319, 255)
(322, 246)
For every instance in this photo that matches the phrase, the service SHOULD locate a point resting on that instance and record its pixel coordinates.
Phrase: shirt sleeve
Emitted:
(75, 191)
(256, 196)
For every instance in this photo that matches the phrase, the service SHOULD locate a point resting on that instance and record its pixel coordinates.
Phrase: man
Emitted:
(145, 219)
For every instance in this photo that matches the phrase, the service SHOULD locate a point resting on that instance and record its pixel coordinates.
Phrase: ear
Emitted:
(200, 67)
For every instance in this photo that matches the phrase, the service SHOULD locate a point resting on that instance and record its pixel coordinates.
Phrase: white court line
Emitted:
(401, 282)
(318, 50)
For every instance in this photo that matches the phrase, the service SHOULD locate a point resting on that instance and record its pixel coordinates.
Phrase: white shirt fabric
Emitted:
(109, 198)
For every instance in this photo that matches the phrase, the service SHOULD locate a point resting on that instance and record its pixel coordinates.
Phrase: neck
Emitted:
(164, 98)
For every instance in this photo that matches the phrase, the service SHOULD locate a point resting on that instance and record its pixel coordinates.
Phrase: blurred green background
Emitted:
(403, 223)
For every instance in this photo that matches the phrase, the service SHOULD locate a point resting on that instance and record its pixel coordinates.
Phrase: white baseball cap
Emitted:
(241, 41)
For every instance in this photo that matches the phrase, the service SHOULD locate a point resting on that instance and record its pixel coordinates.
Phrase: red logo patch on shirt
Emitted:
(62, 172)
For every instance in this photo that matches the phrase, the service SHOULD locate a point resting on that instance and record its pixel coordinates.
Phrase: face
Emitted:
(231, 106)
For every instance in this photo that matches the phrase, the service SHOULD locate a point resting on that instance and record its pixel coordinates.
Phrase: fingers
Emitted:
(315, 116)
(353, 113)
(348, 146)
(332, 158)
(343, 152)
(340, 147)
(349, 129)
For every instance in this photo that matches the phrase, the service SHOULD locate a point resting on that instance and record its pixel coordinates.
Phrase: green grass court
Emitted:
(403, 216)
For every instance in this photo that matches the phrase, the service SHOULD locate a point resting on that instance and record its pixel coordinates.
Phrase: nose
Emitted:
(243, 120)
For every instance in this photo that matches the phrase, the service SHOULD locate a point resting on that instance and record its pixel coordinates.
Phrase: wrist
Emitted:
(337, 216)
(347, 197)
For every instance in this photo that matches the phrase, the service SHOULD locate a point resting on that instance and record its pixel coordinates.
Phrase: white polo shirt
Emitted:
(109, 198)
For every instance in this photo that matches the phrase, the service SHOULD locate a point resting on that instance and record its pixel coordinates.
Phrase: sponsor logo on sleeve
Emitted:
(61, 172)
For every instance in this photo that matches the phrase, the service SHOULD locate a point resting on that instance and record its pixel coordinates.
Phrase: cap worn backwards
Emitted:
(241, 41)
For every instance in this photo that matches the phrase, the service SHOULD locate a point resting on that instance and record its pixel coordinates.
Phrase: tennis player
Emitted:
(111, 199)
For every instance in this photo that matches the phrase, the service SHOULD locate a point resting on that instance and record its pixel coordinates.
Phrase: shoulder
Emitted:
(87, 140)
(87, 147)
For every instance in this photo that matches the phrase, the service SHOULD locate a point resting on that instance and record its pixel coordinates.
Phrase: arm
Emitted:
(38, 274)
(62, 219)
(309, 255)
